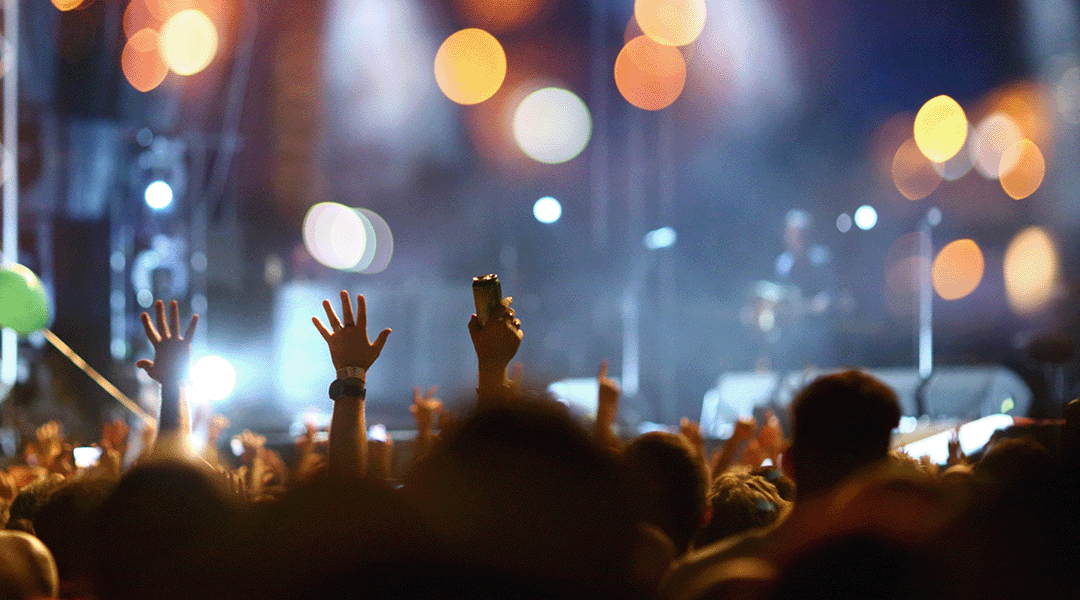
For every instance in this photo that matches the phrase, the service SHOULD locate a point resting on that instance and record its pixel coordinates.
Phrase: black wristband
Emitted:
(347, 388)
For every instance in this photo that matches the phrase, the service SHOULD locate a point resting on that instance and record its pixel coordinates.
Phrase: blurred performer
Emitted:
(806, 268)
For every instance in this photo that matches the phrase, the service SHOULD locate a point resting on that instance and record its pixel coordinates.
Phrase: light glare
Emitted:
(547, 210)
(1025, 169)
(660, 238)
(335, 235)
(213, 377)
(1031, 270)
(158, 195)
(188, 42)
(958, 269)
(649, 75)
(470, 66)
(141, 61)
(866, 217)
(552, 125)
(940, 128)
(671, 22)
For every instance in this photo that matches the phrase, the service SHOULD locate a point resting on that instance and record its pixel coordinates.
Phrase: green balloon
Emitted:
(24, 306)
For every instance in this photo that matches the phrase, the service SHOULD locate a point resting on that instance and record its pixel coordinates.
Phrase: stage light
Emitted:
(671, 22)
(993, 136)
(66, 5)
(843, 223)
(335, 235)
(547, 210)
(188, 42)
(865, 217)
(958, 269)
(552, 125)
(1067, 95)
(650, 75)
(913, 174)
(383, 242)
(1022, 169)
(141, 61)
(1031, 270)
(158, 195)
(470, 66)
(940, 128)
(213, 378)
(660, 238)
(498, 16)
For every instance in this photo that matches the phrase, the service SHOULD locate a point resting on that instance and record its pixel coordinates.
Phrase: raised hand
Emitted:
(348, 338)
(692, 432)
(424, 408)
(496, 341)
(744, 429)
(607, 408)
(172, 352)
(218, 423)
(771, 436)
(114, 436)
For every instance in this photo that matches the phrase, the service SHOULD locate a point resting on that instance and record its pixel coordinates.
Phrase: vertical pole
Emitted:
(926, 302)
(8, 338)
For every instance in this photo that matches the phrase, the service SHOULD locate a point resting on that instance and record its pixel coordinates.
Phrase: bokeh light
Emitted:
(499, 16)
(993, 136)
(671, 22)
(1027, 171)
(141, 61)
(552, 125)
(547, 210)
(960, 164)
(213, 378)
(334, 235)
(382, 242)
(865, 217)
(958, 269)
(158, 195)
(66, 5)
(940, 128)
(189, 42)
(137, 17)
(163, 9)
(370, 243)
(650, 75)
(470, 66)
(843, 223)
(912, 173)
(1031, 270)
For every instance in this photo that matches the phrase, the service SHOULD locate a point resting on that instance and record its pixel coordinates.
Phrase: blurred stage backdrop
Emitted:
(629, 169)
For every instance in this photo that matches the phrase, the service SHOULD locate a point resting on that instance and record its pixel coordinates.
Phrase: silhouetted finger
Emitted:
(191, 327)
(346, 309)
(174, 317)
(163, 327)
(335, 324)
(322, 328)
(603, 370)
(151, 333)
(361, 313)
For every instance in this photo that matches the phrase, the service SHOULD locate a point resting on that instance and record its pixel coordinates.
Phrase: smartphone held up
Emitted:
(487, 295)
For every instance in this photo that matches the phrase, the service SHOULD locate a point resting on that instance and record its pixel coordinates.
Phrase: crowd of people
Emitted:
(519, 499)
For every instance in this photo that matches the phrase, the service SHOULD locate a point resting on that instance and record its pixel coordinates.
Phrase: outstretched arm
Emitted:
(172, 354)
(425, 408)
(352, 354)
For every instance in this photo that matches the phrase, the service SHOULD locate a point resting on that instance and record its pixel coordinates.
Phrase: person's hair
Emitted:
(31, 498)
(841, 423)
(741, 501)
(671, 484)
(27, 569)
(522, 491)
(65, 523)
(784, 485)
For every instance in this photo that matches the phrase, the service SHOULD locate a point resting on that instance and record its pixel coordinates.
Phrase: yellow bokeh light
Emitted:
(913, 174)
(671, 22)
(940, 128)
(1031, 270)
(66, 5)
(958, 269)
(1027, 169)
(650, 75)
(470, 66)
(141, 61)
(189, 42)
(499, 16)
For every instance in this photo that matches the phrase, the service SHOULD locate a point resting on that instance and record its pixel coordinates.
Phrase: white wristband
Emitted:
(350, 373)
